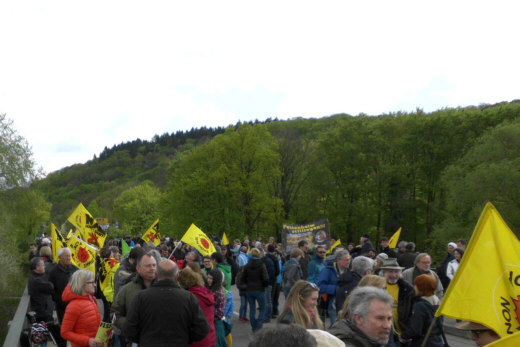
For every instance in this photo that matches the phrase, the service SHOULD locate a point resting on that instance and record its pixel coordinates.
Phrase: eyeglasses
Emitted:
(476, 333)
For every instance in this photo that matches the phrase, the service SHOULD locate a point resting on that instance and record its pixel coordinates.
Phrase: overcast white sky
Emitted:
(76, 76)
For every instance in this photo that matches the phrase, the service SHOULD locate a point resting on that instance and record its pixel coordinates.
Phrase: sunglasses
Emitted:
(309, 284)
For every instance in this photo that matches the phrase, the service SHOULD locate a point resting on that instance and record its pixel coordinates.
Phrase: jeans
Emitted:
(243, 306)
(268, 302)
(252, 297)
(332, 310)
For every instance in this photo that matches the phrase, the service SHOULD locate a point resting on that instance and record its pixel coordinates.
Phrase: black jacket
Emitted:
(40, 292)
(422, 317)
(347, 281)
(404, 305)
(59, 276)
(255, 275)
(152, 322)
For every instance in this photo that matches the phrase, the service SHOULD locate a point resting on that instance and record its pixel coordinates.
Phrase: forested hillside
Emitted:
(430, 173)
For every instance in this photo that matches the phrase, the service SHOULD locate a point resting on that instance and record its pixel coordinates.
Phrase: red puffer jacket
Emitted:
(81, 319)
(207, 304)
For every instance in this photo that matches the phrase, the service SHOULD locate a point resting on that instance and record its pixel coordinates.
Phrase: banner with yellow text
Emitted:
(152, 234)
(486, 286)
(316, 233)
(200, 241)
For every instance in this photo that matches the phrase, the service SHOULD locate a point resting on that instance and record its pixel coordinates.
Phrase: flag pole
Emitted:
(171, 254)
(428, 333)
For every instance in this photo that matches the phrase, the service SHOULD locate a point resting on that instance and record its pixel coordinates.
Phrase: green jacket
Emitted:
(351, 336)
(123, 300)
(226, 269)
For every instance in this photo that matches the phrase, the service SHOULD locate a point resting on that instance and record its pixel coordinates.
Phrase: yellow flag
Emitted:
(394, 239)
(83, 255)
(196, 238)
(225, 240)
(87, 228)
(152, 234)
(486, 286)
(58, 242)
(509, 341)
(331, 249)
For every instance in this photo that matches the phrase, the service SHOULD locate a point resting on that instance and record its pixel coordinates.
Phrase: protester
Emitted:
(461, 244)
(151, 321)
(256, 277)
(273, 269)
(33, 250)
(283, 336)
(218, 262)
(81, 320)
(424, 307)
(292, 271)
(348, 280)
(423, 263)
(379, 262)
(316, 265)
(40, 291)
(278, 284)
(454, 264)
(207, 264)
(481, 334)
(301, 306)
(126, 271)
(215, 278)
(366, 281)
(304, 261)
(385, 248)
(442, 268)
(407, 259)
(371, 325)
(46, 255)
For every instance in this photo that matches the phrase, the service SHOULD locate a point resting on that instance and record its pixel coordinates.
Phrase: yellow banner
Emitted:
(225, 240)
(58, 242)
(200, 241)
(509, 341)
(392, 243)
(87, 228)
(104, 333)
(486, 286)
(152, 234)
(83, 255)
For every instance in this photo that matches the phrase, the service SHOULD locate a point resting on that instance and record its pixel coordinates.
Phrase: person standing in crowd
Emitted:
(207, 264)
(81, 320)
(292, 271)
(461, 244)
(454, 264)
(243, 259)
(480, 334)
(146, 269)
(193, 282)
(423, 263)
(370, 309)
(385, 248)
(278, 284)
(126, 271)
(365, 245)
(218, 262)
(401, 248)
(46, 255)
(236, 250)
(316, 265)
(368, 280)
(304, 261)
(40, 291)
(283, 335)
(379, 262)
(271, 265)
(441, 269)
(151, 322)
(228, 259)
(402, 293)
(59, 276)
(348, 280)
(256, 277)
(328, 281)
(407, 259)
(33, 250)
(301, 306)
(424, 307)
(215, 278)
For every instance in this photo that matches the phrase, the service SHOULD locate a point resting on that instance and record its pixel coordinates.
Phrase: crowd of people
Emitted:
(171, 295)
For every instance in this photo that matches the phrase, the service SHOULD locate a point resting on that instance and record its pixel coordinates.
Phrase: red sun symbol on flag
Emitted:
(205, 243)
(517, 304)
(83, 255)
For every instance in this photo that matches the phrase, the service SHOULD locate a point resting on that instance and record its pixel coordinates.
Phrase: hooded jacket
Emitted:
(423, 311)
(207, 304)
(351, 335)
(255, 275)
(226, 270)
(81, 319)
(314, 269)
(40, 292)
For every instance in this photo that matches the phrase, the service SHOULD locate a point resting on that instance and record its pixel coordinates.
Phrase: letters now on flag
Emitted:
(196, 238)
(392, 243)
(152, 234)
(486, 286)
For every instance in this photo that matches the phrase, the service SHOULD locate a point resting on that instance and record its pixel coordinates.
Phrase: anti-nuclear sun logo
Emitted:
(507, 305)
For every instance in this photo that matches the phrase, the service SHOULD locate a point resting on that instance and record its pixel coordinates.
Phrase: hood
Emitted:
(226, 269)
(69, 295)
(204, 295)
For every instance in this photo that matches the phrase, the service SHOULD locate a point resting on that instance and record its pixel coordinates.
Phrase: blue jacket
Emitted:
(314, 269)
(328, 280)
(242, 259)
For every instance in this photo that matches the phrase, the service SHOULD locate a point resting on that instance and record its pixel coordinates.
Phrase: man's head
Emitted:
(481, 334)
(342, 259)
(134, 254)
(37, 265)
(33, 247)
(217, 258)
(410, 247)
(64, 256)
(371, 312)
(283, 335)
(384, 242)
(402, 246)
(391, 270)
(461, 244)
(451, 247)
(423, 262)
(146, 267)
(167, 269)
(362, 265)
(364, 237)
(320, 251)
(207, 262)
(193, 257)
(303, 245)
(270, 248)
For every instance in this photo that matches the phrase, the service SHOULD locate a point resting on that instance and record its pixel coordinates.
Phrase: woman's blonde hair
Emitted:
(46, 251)
(366, 281)
(255, 253)
(300, 291)
(189, 278)
(79, 279)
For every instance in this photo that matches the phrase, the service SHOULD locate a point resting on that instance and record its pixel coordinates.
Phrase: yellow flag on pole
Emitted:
(225, 240)
(87, 227)
(196, 238)
(152, 234)
(509, 341)
(58, 242)
(331, 249)
(392, 243)
(486, 286)
(83, 255)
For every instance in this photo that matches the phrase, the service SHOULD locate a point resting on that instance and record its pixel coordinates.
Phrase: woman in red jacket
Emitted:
(81, 320)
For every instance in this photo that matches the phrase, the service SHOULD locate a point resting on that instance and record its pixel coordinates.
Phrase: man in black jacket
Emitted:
(271, 265)
(40, 291)
(151, 322)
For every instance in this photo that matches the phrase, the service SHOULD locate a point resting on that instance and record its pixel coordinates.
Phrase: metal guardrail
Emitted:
(18, 323)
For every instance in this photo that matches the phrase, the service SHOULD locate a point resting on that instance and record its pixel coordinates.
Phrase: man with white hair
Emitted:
(370, 309)
(423, 263)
